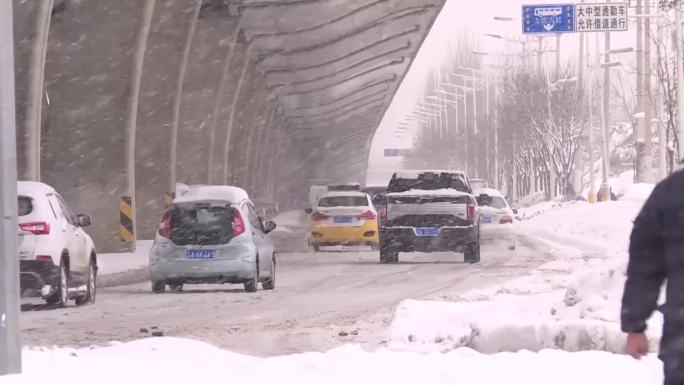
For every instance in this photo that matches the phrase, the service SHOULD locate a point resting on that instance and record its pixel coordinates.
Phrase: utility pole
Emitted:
(496, 132)
(660, 108)
(680, 79)
(558, 49)
(540, 49)
(10, 332)
(489, 129)
(604, 191)
(131, 122)
(648, 101)
(578, 185)
(639, 133)
(590, 137)
(475, 132)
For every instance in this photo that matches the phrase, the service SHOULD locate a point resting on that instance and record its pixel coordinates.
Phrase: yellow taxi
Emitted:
(343, 218)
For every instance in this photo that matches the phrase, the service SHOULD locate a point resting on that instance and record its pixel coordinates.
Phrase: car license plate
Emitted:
(427, 231)
(201, 254)
(486, 219)
(345, 219)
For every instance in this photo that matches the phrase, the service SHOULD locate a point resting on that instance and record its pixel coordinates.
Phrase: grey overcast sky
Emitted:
(474, 18)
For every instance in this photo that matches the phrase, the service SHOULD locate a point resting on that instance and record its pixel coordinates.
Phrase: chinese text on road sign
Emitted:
(600, 17)
(557, 18)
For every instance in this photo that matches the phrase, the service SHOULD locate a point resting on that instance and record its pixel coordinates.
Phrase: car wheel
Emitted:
(251, 286)
(158, 287)
(61, 296)
(270, 283)
(388, 255)
(91, 287)
(177, 287)
(472, 253)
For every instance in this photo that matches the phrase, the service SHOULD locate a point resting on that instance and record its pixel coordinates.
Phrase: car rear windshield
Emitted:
(497, 203)
(25, 206)
(201, 225)
(429, 182)
(343, 201)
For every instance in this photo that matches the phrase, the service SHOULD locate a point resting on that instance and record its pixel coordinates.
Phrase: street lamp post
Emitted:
(435, 110)
(604, 189)
(10, 332)
(452, 130)
(465, 120)
(443, 114)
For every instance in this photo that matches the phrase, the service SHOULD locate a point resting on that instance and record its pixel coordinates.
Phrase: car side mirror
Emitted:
(83, 220)
(269, 226)
(308, 211)
(515, 211)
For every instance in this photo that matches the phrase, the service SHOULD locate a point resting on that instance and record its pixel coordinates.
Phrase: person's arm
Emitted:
(646, 269)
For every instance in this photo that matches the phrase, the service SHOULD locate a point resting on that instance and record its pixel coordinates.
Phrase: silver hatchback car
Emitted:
(212, 234)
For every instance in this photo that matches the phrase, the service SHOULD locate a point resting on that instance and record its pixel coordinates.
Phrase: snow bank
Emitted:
(172, 361)
(532, 199)
(531, 211)
(570, 303)
(599, 228)
(638, 192)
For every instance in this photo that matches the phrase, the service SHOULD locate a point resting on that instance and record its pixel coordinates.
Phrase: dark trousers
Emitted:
(673, 365)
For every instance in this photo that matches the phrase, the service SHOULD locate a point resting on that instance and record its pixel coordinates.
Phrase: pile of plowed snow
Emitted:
(571, 303)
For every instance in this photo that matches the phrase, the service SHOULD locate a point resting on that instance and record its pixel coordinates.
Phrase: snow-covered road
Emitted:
(321, 300)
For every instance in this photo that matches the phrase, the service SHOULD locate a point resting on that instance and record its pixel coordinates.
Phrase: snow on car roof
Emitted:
(487, 191)
(343, 194)
(30, 188)
(413, 174)
(198, 193)
(449, 192)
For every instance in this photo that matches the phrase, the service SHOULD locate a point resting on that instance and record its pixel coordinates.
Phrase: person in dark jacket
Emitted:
(656, 254)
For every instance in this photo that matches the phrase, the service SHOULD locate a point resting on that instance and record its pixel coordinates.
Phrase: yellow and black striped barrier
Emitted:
(126, 219)
(168, 198)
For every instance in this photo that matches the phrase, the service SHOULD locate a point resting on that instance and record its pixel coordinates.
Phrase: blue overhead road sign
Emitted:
(547, 18)
(394, 152)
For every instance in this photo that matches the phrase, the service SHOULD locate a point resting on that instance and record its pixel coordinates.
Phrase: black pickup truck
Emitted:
(430, 211)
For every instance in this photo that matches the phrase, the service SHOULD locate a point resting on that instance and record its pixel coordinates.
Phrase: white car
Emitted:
(497, 219)
(57, 259)
(213, 234)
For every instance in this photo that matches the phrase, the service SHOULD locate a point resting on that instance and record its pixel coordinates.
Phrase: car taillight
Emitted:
(43, 258)
(471, 211)
(165, 225)
(368, 215)
(316, 216)
(238, 223)
(506, 219)
(36, 228)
